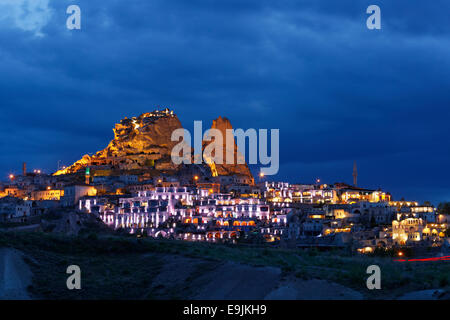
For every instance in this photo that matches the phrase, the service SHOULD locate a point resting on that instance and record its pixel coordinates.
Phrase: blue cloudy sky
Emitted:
(337, 91)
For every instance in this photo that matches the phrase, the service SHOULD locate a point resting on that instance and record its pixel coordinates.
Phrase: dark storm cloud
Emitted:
(337, 91)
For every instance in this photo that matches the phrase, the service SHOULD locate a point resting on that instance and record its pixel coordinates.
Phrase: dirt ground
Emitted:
(15, 275)
(194, 279)
(172, 276)
(314, 289)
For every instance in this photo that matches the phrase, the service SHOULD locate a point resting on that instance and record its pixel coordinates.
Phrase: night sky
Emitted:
(337, 91)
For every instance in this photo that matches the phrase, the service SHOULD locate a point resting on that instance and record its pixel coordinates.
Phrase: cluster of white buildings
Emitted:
(232, 207)
(170, 207)
(277, 211)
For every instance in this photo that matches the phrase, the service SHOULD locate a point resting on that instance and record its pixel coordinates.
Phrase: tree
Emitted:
(444, 208)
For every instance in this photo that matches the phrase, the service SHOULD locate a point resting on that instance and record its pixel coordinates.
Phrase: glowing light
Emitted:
(195, 178)
(11, 176)
(136, 125)
(400, 254)
(444, 258)
(261, 174)
(212, 165)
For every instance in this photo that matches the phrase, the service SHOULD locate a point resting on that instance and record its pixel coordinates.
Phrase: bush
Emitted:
(443, 281)
(312, 252)
(92, 236)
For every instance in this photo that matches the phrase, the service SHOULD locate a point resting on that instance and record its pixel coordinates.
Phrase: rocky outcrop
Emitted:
(222, 124)
(139, 142)
(145, 142)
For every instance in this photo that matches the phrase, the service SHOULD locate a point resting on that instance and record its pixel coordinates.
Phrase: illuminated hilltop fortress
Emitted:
(144, 142)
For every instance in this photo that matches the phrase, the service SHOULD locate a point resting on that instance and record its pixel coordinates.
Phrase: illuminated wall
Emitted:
(47, 195)
(407, 231)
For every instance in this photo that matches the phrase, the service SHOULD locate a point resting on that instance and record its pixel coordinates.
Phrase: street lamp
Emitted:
(261, 176)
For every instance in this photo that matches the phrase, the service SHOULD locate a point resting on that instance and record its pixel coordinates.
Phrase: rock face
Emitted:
(222, 124)
(139, 142)
(145, 142)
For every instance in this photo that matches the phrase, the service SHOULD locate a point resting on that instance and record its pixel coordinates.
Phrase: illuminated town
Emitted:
(143, 194)
(220, 159)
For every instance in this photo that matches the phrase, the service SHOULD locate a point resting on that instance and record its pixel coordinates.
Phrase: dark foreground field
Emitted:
(115, 267)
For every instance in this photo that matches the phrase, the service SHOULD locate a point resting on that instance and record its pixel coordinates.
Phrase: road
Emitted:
(15, 275)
